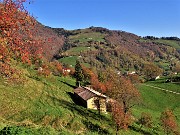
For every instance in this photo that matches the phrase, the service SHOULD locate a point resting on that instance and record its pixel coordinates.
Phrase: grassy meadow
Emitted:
(88, 35)
(45, 105)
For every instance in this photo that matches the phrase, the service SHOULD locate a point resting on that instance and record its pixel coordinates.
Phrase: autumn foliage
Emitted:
(16, 37)
(87, 77)
(17, 29)
(121, 119)
(168, 122)
(124, 96)
(151, 71)
(145, 120)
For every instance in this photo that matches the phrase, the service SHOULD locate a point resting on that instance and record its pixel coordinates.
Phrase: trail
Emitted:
(177, 93)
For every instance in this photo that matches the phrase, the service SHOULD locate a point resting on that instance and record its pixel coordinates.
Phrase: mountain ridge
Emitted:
(110, 46)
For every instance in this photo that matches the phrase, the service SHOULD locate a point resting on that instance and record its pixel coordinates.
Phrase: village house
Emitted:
(66, 70)
(91, 99)
(131, 72)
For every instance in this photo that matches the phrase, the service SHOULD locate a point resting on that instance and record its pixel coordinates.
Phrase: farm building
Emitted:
(90, 98)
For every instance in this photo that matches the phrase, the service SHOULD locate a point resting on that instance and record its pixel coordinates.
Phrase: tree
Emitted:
(17, 30)
(168, 121)
(56, 68)
(78, 73)
(151, 71)
(145, 120)
(177, 68)
(124, 92)
(88, 74)
(134, 78)
(121, 120)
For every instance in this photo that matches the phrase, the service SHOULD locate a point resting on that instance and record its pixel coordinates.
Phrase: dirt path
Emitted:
(177, 93)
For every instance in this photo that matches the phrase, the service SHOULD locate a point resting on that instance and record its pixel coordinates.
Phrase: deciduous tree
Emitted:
(168, 121)
(17, 29)
(122, 91)
(145, 120)
(151, 71)
(177, 68)
(121, 119)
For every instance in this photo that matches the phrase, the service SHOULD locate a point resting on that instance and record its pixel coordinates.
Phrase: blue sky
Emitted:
(142, 17)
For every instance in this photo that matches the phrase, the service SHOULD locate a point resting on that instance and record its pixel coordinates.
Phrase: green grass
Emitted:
(71, 60)
(155, 101)
(77, 50)
(45, 106)
(168, 86)
(84, 36)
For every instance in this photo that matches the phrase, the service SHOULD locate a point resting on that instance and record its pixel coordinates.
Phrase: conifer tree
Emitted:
(78, 73)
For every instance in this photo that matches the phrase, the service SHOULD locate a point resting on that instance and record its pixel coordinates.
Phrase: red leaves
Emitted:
(16, 39)
(17, 29)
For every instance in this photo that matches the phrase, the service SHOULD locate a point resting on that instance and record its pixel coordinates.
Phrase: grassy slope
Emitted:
(87, 35)
(45, 106)
(71, 60)
(76, 50)
(155, 101)
(168, 86)
(83, 37)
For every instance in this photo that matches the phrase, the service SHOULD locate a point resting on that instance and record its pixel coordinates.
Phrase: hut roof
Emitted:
(87, 93)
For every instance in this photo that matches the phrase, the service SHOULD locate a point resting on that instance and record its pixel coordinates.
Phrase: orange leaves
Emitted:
(10, 74)
(25, 58)
(16, 38)
(90, 75)
(124, 95)
(56, 68)
(17, 27)
(121, 119)
(44, 70)
(3, 50)
(168, 121)
(98, 85)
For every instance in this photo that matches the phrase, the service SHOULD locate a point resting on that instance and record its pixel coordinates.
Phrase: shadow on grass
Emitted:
(140, 131)
(76, 109)
(69, 84)
(96, 128)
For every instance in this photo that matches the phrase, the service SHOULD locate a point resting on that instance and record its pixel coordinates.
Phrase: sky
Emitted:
(160, 18)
